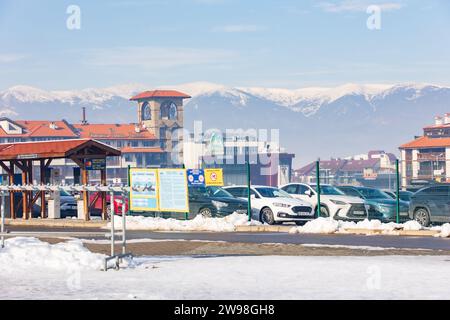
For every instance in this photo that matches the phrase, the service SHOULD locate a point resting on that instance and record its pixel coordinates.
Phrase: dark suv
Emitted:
(430, 205)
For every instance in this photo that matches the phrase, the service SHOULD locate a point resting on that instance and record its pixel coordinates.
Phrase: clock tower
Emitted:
(161, 113)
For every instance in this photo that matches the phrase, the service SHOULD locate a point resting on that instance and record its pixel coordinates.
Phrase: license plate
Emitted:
(305, 213)
(359, 213)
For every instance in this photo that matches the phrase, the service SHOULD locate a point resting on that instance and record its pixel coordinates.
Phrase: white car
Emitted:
(272, 205)
(333, 202)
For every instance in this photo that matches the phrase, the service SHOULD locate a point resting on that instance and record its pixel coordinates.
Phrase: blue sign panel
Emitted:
(95, 164)
(196, 177)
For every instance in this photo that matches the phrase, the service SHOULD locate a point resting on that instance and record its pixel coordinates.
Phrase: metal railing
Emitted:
(5, 191)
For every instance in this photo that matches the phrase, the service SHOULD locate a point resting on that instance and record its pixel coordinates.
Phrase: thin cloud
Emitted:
(357, 6)
(11, 57)
(239, 28)
(156, 58)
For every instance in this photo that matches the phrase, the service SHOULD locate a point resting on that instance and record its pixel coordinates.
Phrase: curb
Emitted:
(62, 223)
(410, 233)
(263, 228)
(286, 229)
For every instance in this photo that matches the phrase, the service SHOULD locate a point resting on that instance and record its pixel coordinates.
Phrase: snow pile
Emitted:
(444, 231)
(199, 223)
(25, 252)
(319, 225)
(412, 226)
(371, 225)
(329, 225)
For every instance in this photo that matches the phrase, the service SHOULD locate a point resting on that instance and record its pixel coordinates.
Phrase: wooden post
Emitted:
(24, 195)
(84, 181)
(12, 209)
(42, 172)
(103, 195)
(30, 193)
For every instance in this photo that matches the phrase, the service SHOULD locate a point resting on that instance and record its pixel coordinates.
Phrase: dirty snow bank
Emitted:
(27, 252)
(199, 223)
(328, 225)
(444, 231)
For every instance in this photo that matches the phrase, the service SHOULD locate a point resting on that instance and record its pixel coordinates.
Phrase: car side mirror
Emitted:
(308, 193)
(252, 196)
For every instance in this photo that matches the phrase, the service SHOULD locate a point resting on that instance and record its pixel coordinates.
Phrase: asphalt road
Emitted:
(384, 241)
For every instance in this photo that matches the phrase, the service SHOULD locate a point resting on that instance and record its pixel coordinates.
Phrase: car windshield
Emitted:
(65, 194)
(218, 192)
(329, 190)
(272, 193)
(405, 195)
(373, 194)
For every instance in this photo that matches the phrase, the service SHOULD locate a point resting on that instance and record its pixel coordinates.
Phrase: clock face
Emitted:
(146, 111)
(173, 111)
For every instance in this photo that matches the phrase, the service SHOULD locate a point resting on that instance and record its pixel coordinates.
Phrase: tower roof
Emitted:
(160, 94)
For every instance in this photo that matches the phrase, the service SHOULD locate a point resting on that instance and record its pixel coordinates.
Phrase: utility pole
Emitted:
(318, 186)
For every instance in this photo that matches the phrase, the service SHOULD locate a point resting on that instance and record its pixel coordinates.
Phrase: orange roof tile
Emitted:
(42, 129)
(426, 142)
(49, 149)
(112, 131)
(160, 94)
(141, 150)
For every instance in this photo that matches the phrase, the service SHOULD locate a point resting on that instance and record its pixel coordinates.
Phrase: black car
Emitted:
(214, 202)
(431, 205)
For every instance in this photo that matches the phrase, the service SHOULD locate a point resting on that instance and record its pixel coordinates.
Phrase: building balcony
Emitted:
(432, 156)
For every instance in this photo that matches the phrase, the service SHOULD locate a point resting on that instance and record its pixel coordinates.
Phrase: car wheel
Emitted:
(324, 212)
(205, 212)
(422, 216)
(300, 223)
(267, 216)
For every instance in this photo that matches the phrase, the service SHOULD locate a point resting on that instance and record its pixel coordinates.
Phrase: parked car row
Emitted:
(297, 203)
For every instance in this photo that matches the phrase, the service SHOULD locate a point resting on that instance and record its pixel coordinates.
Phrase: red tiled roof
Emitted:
(160, 94)
(112, 131)
(427, 142)
(42, 129)
(141, 150)
(49, 149)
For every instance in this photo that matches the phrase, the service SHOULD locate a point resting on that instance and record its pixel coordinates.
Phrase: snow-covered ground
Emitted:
(31, 269)
(199, 223)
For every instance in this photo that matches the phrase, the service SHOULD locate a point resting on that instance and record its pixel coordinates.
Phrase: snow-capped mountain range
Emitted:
(313, 122)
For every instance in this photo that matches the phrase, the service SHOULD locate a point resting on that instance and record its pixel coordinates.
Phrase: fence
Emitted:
(6, 190)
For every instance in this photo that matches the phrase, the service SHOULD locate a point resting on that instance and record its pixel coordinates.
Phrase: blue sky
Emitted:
(283, 43)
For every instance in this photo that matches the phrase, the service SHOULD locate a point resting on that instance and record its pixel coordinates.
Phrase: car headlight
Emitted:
(219, 204)
(338, 202)
(282, 205)
(382, 209)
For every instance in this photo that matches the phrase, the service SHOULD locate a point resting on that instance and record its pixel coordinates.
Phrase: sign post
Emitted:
(112, 223)
(196, 177)
(249, 199)
(3, 220)
(173, 191)
(214, 177)
(143, 190)
(318, 187)
(398, 189)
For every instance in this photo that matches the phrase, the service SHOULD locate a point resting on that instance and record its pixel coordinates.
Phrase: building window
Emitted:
(146, 111)
(169, 110)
